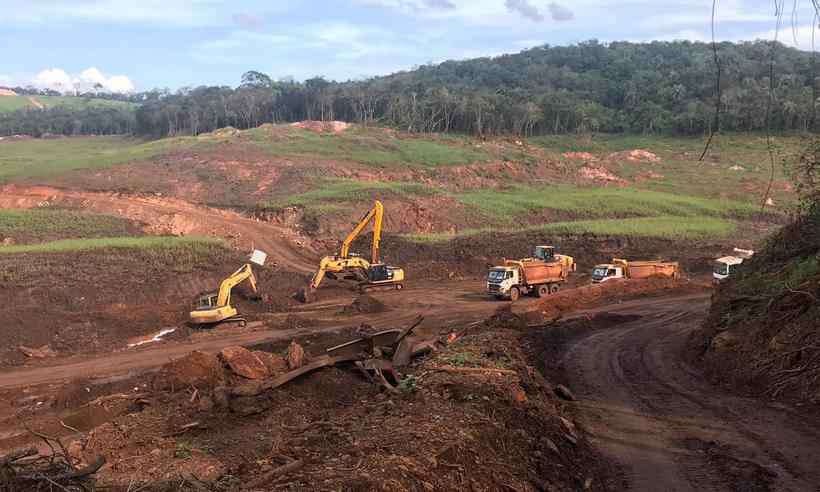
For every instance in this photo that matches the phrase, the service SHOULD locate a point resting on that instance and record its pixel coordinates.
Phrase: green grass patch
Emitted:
(38, 224)
(667, 227)
(505, 206)
(372, 147)
(43, 158)
(341, 190)
(154, 244)
(14, 103)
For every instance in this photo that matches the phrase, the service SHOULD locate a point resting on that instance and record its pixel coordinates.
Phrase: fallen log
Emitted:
(257, 388)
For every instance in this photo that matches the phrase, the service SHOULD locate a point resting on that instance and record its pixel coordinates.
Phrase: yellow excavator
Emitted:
(370, 274)
(215, 307)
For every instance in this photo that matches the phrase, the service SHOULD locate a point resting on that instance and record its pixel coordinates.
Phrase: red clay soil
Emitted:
(162, 215)
(97, 301)
(443, 431)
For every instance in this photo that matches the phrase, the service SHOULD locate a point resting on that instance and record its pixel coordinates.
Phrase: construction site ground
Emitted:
(588, 389)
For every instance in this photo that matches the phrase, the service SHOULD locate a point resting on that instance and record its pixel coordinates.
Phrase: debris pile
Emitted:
(364, 304)
(27, 469)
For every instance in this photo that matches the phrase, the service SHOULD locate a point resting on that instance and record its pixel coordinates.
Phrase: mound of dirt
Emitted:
(196, 369)
(322, 126)
(761, 335)
(7, 92)
(637, 155)
(599, 174)
(365, 304)
(584, 156)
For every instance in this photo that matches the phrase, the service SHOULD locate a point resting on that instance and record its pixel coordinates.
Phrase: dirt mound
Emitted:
(196, 369)
(556, 305)
(584, 156)
(761, 335)
(599, 174)
(7, 92)
(365, 304)
(322, 126)
(637, 155)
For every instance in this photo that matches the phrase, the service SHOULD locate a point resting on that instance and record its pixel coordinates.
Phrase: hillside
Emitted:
(10, 103)
(762, 333)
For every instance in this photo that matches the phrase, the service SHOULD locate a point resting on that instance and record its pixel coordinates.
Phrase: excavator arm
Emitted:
(376, 214)
(245, 272)
(337, 265)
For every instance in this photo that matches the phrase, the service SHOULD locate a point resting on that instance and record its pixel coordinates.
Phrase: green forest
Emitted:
(619, 87)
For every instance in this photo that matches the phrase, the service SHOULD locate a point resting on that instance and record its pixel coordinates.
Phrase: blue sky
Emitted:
(141, 44)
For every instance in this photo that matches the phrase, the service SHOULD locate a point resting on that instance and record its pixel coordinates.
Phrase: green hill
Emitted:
(13, 103)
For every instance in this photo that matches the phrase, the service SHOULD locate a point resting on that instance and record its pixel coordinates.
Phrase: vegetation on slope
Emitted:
(37, 225)
(762, 329)
(28, 158)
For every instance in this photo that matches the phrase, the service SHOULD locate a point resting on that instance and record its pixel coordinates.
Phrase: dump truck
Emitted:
(540, 275)
(724, 266)
(620, 268)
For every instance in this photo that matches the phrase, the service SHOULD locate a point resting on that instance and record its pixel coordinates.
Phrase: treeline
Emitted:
(658, 87)
(64, 120)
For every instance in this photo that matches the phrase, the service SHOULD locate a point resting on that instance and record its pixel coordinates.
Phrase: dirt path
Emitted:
(173, 216)
(670, 429)
(443, 305)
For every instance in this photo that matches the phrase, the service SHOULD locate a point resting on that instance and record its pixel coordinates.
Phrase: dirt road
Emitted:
(670, 429)
(443, 305)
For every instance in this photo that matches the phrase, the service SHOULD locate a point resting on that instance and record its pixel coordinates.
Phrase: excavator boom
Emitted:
(376, 214)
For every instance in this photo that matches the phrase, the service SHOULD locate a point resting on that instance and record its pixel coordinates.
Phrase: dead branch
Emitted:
(267, 477)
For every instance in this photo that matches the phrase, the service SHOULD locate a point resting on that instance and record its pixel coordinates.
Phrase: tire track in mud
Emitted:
(670, 429)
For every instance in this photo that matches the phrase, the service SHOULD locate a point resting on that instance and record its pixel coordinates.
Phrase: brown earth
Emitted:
(658, 417)
(7, 92)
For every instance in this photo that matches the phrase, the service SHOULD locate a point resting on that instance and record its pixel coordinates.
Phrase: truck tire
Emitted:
(542, 291)
(514, 294)
(554, 288)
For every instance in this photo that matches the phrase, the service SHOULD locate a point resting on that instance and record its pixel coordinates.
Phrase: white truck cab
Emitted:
(501, 279)
(726, 265)
(605, 272)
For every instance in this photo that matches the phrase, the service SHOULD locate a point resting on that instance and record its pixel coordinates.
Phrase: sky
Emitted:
(128, 45)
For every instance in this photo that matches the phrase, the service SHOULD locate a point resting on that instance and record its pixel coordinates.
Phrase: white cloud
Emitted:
(6, 80)
(88, 80)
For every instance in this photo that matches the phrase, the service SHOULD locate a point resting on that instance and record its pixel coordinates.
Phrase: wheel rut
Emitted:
(672, 430)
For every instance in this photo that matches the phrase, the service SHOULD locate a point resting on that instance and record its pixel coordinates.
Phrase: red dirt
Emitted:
(323, 126)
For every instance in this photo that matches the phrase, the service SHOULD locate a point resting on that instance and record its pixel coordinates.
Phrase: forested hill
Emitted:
(658, 87)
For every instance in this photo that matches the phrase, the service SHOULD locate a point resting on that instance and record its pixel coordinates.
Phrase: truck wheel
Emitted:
(514, 294)
(554, 288)
(542, 291)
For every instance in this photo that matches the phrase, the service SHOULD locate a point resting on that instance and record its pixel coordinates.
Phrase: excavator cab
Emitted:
(545, 253)
(215, 307)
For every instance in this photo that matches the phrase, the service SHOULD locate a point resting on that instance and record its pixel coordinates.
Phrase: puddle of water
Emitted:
(155, 338)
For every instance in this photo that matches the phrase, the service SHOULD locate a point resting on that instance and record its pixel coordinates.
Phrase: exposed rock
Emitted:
(244, 363)
(724, 340)
(274, 363)
(585, 156)
(296, 356)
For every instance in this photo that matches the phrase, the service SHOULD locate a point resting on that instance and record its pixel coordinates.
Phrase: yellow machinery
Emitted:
(215, 307)
(370, 274)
